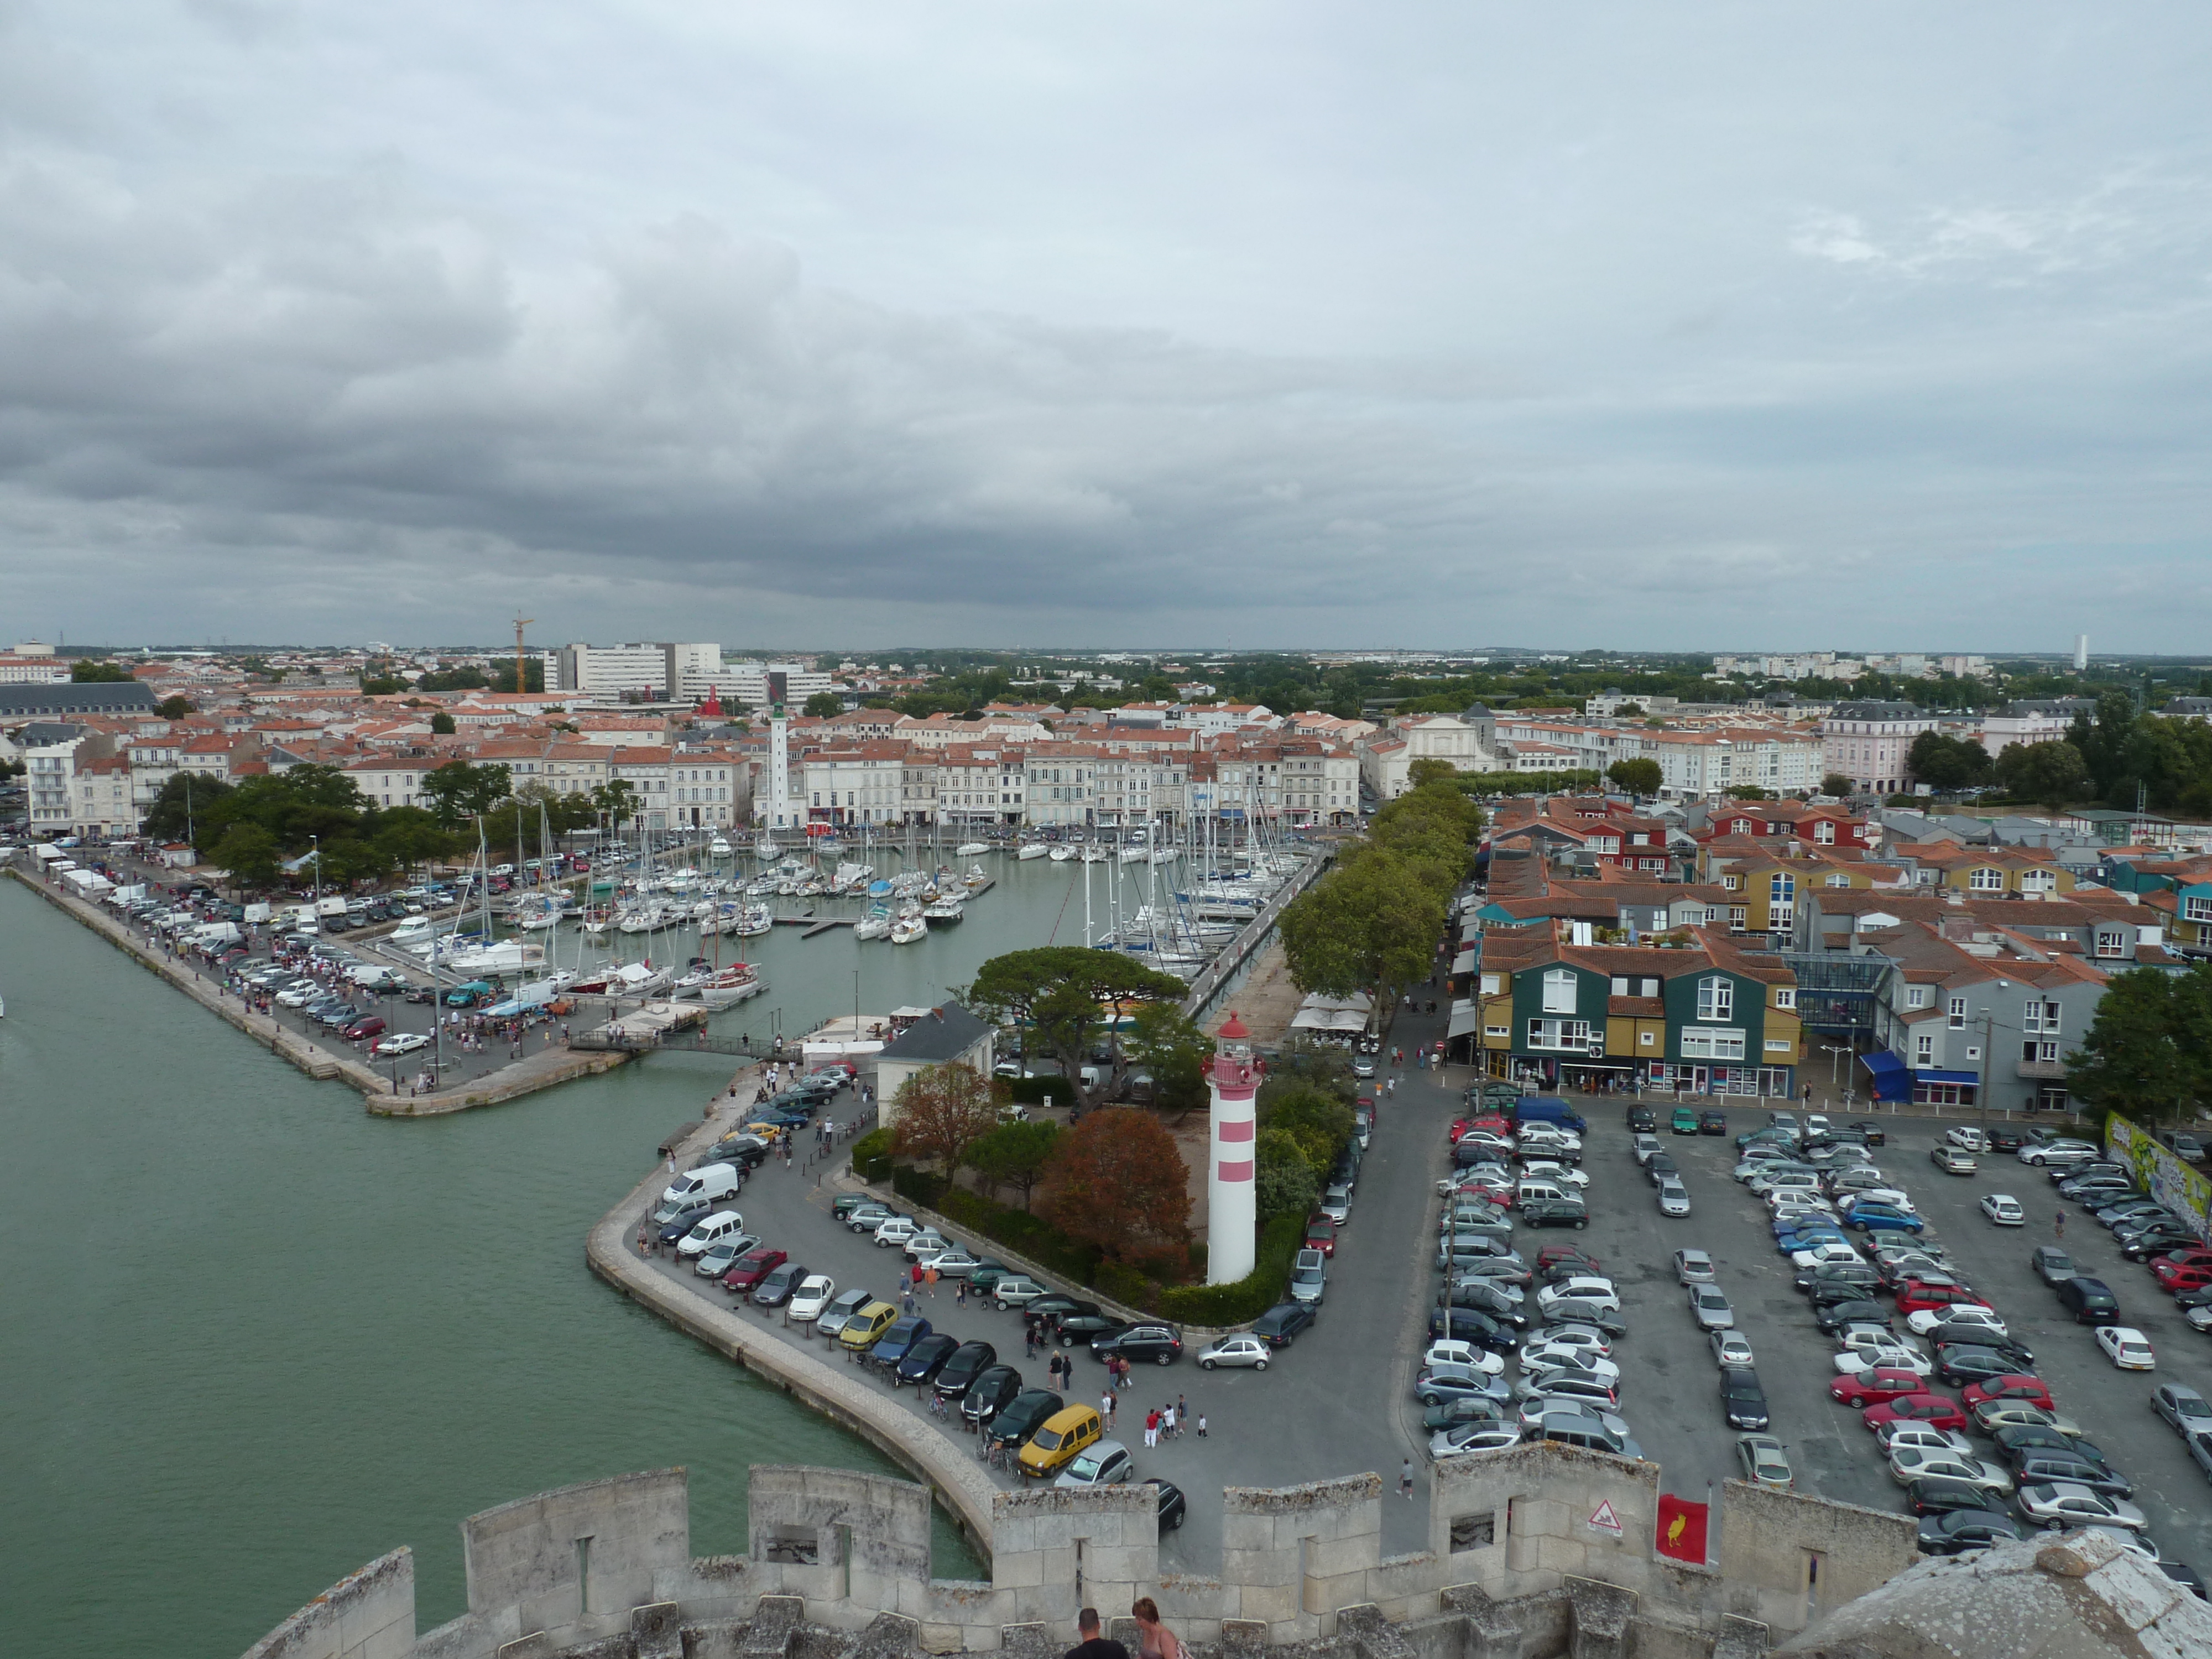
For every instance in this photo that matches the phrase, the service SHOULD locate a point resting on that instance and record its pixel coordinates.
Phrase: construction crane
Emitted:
(521, 623)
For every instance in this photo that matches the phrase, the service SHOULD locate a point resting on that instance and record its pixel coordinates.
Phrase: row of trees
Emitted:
(2115, 754)
(1372, 923)
(1116, 1180)
(253, 829)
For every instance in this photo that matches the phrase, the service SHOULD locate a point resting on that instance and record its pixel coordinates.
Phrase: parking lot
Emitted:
(1670, 1381)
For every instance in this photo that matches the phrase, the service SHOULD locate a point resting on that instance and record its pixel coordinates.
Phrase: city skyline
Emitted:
(1658, 331)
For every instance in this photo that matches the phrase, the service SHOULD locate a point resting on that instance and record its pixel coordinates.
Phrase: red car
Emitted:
(2032, 1390)
(1320, 1235)
(1915, 1294)
(1876, 1387)
(2189, 1255)
(1936, 1410)
(751, 1267)
(2181, 1276)
(1554, 1253)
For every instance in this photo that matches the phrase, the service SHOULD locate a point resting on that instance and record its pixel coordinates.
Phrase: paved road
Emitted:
(1328, 1406)
(1670, 1394)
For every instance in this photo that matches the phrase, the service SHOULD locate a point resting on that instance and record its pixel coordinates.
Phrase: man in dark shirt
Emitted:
(1093, 1645)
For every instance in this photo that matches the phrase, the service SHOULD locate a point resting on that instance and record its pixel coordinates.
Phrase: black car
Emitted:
(2009, 1347)
(1172, 1507)
(2007, 1140)
(2141, 1244)
(1155, 1345)
(927, 1358)
(1044, 1313)
(2028, 1440)
(2044, 1467)
(1084, 1322)
(987, 1272)
(776, 1289)
(1833, 1316)
(1643, 1121)
(1658, 1167)
(1838, 1272)
(988, 1395)
(1279, 1326)
(2186, 1575)
(1024, 1415)
(1826, 1293)
(1471, 1325)
(1488, 1299)
(1712, 1123)
(746, 1152)
(1953, 1531)
(1959, 1365)
(1555, 1213)
(1875, 1134)
(968, 1362)
(1934, 1496)
(685, 1222)
(1742, 1398)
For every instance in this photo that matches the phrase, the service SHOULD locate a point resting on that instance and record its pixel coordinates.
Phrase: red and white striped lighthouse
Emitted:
(1232, 1215)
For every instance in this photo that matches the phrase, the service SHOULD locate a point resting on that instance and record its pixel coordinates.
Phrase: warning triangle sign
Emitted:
(1604, 1519)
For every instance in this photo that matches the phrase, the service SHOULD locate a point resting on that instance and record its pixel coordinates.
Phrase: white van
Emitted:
(723, 1224)
(709, 1184)
(210, 934)
(1531, 1191)
(329, 907)
(257, 915)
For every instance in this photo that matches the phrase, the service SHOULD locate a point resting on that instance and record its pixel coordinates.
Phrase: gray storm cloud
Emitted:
(325, 324)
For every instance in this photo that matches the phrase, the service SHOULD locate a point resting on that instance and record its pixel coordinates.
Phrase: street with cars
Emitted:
(1843, 1312)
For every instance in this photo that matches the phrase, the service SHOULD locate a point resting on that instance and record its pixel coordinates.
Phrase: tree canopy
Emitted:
(823, 705)
(1120, 1182)
(943, 1111)
(97, 670)
(1062, 994)
(1372, 923)
(1944, 761)
(2148, 1051)
(1639, 776)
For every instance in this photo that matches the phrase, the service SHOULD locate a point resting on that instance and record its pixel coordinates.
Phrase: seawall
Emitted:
(525, 1077)
(949, 1473)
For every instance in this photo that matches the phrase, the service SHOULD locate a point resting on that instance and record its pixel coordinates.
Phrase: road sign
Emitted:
(1602, 1519)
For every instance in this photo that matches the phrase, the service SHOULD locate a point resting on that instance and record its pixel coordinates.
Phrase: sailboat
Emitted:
(969, 849)
(1059, 855)
(1034, 849)
(908, 928)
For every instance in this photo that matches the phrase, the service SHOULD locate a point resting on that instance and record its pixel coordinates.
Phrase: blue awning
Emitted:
(1892, 1078)
(1926, 1075)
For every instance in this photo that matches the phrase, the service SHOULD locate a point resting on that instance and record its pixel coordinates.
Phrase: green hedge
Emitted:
(872, 1155)
(1250, 1296)
(1031, 1090)
(1050, 1249)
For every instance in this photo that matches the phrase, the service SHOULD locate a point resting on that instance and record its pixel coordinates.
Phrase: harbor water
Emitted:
(255, 1337)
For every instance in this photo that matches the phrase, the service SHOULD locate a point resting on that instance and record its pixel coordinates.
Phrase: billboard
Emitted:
(2167, 1178)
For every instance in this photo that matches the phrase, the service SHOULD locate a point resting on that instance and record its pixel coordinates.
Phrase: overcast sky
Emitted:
(1676, 327)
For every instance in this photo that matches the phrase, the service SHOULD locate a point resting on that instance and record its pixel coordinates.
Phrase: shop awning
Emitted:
(1465, 1017)
(1464, 962)
(1927, 1075)
(1893, 1080)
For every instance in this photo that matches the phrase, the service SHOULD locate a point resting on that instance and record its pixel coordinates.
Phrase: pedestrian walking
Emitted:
(1405, 1480)
(1106, 1407)
(929, 1278)
(1182, 1414)
(1201, 1425)
(1168, 1422)
(2060, 1224)
(960, 1294)
(1151, 1428)
(1029, 1346)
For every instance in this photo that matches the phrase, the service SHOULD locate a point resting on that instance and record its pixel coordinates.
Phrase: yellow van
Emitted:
(1065, 1433)
(865, 1326)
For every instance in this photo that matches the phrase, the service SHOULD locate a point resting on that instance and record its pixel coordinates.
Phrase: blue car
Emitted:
(1803, 1238)
(1880, 1217)
(898, 1338)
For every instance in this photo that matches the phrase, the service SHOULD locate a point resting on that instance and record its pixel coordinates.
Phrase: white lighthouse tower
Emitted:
(781, 814)
(1232, 1215)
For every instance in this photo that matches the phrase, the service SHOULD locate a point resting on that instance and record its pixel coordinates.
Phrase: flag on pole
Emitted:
(1681, 1529)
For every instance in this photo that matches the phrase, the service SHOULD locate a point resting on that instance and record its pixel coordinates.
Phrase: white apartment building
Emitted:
(33, 662)
(1867, 743)
(679, 672)
(1386, 758)
(394, 782)
(1062, 785)
(53, 755)
(980, 784)
(757, 684)
(864, 783)
(2041, 721)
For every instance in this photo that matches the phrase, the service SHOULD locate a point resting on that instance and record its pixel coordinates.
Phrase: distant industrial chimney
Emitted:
(2081, 651)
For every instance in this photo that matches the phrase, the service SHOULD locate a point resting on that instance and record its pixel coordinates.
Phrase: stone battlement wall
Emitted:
(1518, 1564)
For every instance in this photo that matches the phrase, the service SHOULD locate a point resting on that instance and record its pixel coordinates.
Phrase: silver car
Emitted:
(1473, 1437)
(1711, 1309)
(2062, 1504)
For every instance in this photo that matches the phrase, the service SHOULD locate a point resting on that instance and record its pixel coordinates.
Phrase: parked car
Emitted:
(1308, 1277)
(995, 1387)
(925, 1358)
(777, 1288)
(1694, 1268)
(1742, 1401)
(2063, 1504)
(1019, 1418)
(1936, 1410)
(2003, 1209)
(1015, 1290)
(1279, 1326)
(1765, 1462)
(2126, 1348)
(1712, 1123)
(1955, 1531)
(966, 1362)
(1710, 1309)
(1158, 1344)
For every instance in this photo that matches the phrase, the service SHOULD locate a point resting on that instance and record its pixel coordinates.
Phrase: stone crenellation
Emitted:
(837, 1567)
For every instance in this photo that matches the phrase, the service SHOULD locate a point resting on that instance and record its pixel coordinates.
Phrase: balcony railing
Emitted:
(2048, 1070)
